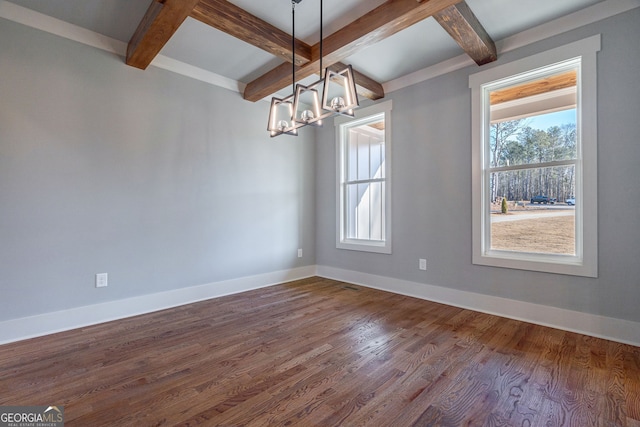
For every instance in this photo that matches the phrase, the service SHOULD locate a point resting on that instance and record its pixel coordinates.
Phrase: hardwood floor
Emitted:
(318, 352)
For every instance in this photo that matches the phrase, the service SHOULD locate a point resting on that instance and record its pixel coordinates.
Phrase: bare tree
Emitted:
(500, 135)
(515, 143)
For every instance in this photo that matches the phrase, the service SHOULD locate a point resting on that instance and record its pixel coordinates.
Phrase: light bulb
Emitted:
(307, 115)
(283, 125)
(337, 103)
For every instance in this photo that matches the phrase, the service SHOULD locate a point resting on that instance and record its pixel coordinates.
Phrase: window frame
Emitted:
(342, 125)
(585, 261)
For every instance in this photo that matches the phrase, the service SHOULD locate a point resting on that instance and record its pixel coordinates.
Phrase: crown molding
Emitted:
(586, 16)
(46, 23)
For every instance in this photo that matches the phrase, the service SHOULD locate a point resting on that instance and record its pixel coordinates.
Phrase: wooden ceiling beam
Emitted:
(237, 22)
(162, 19)
(462, 25)
(385, 20)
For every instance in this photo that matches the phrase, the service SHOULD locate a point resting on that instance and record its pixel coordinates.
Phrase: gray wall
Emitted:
(165, 182)
(159, 180)
(432, 187)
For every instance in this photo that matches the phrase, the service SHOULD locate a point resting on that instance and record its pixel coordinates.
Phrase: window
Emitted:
(364, 191)
(534, 160)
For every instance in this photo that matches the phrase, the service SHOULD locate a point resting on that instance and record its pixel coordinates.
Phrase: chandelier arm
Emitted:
(321, 1)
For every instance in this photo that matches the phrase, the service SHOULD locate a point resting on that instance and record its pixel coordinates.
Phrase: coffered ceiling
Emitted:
(248, 41)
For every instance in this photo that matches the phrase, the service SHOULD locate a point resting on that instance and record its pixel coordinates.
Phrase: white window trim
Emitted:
(585, 263)
(342, 125)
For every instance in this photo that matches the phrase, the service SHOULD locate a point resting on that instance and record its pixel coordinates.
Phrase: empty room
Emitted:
(320, 213)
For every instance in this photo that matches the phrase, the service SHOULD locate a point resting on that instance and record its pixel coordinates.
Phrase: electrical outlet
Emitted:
(299, 253)
(101, 280)
(422, 264)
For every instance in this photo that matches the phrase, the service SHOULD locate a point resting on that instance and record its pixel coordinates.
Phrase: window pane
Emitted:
(376, 190)
(363, 212)
(352, 155)
(538, 219)
(525, 184)
(374, 158)
(377, 158)
(547, 233)
(365, 200)
(351, 193)
(357, 215)
(516, 142)
(365, 151)
(534, 121)
(363, 156)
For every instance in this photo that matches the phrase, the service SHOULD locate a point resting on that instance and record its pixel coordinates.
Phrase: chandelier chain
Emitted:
(293, 45)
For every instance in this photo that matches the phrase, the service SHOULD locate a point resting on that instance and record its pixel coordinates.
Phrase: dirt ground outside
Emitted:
(533, 229)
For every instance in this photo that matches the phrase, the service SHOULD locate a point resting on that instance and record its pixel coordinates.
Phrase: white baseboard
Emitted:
(49, 323)
(609, 328)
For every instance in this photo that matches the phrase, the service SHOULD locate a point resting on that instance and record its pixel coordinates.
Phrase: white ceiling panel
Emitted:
(505, 18)
(417, 47)
(336, 14)
(218, 52)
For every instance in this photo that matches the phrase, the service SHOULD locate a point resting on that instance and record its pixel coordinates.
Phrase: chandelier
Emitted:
(305, 106)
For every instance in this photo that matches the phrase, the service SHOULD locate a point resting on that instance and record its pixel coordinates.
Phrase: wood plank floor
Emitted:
(318, 352)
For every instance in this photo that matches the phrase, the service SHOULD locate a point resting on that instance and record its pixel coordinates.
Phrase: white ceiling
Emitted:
(415, 48)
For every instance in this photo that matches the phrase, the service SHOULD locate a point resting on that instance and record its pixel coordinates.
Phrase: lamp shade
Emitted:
(339, 93)
(306, 106)
(281, 117)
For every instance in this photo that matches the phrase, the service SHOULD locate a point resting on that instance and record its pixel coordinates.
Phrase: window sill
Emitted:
(548, 263)
(364, 246)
